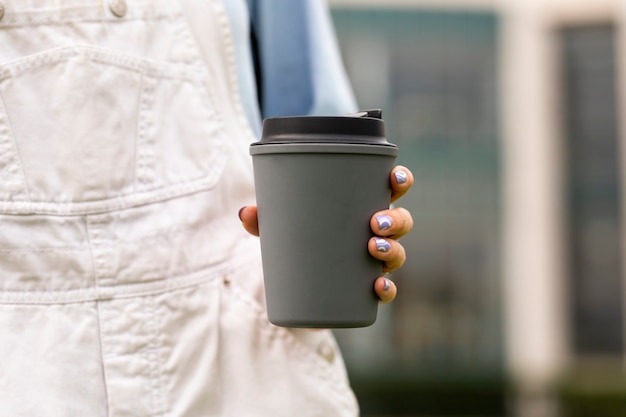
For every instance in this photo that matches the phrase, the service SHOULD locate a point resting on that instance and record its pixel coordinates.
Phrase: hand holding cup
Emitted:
(391, 253)
(319, 180)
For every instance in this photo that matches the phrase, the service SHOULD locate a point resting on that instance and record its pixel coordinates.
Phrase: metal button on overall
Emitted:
(118, 7)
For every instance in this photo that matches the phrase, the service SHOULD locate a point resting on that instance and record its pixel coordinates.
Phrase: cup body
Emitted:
(315, 201)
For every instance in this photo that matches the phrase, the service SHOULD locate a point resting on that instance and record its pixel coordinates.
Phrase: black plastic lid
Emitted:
(366, 127)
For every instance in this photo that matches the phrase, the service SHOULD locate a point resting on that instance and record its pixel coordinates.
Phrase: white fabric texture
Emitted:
(127, 284)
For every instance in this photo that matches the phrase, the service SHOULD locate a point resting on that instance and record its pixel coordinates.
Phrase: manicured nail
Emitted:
(384, 221)
(387, 286)
(240, 210)
(382, 245)
(401, 177)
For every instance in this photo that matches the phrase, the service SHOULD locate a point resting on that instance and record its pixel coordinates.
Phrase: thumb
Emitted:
(249, 219)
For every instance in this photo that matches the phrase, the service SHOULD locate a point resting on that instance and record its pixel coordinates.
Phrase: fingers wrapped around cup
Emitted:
(401, 180)
(390, 251)
(385, 289)
(393, 223)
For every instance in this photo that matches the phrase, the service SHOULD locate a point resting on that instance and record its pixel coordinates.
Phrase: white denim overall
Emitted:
(127, 284)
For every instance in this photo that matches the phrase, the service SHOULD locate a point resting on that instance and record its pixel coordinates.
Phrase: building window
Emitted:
(593, 192)
(434, 74)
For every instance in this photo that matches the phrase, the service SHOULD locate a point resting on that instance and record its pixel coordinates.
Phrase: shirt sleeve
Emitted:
(300, 68)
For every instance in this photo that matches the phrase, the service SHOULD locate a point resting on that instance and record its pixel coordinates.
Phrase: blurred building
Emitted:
(508, 113)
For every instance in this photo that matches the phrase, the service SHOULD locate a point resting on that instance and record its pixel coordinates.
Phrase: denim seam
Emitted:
(10, 153)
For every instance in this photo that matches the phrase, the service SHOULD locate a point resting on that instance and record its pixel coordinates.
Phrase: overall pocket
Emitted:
(276, 370)
(86, 129)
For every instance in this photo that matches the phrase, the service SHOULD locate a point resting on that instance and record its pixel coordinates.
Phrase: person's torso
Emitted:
(125, 275)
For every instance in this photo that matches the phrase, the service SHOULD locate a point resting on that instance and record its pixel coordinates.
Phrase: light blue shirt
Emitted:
(302, 72)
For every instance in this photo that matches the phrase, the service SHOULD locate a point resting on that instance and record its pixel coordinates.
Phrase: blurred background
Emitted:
(507, 112)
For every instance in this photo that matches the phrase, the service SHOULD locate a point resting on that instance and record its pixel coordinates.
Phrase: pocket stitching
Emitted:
(150, 67)
(192, 73)
(303, 353)
(10, 160)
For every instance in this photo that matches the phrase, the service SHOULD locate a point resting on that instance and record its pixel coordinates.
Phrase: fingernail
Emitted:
(382, 245)
(401, 177)
(387, 286)
(240, 210)
(384, 221)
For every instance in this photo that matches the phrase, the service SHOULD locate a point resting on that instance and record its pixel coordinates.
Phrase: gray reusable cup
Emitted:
(318, 181)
